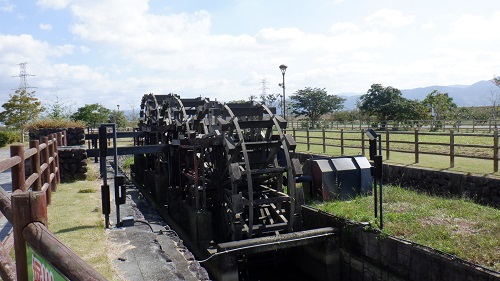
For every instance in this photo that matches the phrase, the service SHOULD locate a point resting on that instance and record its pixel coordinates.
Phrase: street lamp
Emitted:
(116, 115)
(283, 70)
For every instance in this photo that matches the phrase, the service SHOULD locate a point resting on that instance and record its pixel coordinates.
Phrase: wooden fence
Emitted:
(357, 140)
(26, 210)
(488, 125)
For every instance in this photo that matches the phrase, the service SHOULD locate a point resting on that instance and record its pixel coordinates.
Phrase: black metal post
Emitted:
(283, 70)
(378, 178)
(103, 147)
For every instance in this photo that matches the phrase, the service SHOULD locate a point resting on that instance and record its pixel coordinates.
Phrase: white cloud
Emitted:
(45, 26)
(474, 28)
(53, 4)
(389, 18)
(5, 6)
(343, 27)
(84, 49)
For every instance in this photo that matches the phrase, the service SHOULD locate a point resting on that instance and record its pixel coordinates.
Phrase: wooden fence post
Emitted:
(341, 141)
(293, 133)
(17, 171)
(52, 155)
(308, 141)
(324, 141)
(35, 165)
(60, 139)
(452, 149)
(362, 142)
(495, 151)
(417, 156)
(65, 138)
(21, 216)
(26, 208)
(46, 161)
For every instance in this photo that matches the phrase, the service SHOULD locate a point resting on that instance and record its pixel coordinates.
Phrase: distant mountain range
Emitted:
(477, 94)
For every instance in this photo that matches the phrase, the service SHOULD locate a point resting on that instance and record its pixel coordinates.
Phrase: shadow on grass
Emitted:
(75, 228)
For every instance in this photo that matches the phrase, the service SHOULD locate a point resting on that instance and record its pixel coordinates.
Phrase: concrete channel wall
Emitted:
(367, 255)
(483, 190)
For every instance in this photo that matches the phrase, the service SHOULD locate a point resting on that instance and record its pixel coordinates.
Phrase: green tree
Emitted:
(270, 99)
(21, 108)
(314, 102)
(92, 114)
(441, 103)
(117, 117)
(405, 109)
(383, 102)
(57, 109)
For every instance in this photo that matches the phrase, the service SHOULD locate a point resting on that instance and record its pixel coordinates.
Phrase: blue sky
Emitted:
(113, 52)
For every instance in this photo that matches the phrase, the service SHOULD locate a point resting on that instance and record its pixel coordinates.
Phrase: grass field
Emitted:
(75, 218)
(455, 226)
(353, 146)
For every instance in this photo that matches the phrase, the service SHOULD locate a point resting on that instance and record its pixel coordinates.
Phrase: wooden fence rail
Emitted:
(358, 140)
(475, 125)
(26, 210)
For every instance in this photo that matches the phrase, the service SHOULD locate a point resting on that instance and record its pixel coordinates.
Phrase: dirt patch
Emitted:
(457, 226)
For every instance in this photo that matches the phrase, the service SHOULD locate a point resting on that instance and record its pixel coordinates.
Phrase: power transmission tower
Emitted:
(23, 85)
(263, 87)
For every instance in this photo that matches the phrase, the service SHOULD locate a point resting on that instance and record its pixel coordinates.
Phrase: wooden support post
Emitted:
(17, 171)
(341, 141)
(59, 139)
(308, 140)
(38, 206)
(362, 142)
(64, 138)
(26, 208)
(53, 163)
(452, 149)
(324, 141)
(21, 216)
(495, 151)
(417, 156)
(56, 159)
(35, 165)
(46, 174)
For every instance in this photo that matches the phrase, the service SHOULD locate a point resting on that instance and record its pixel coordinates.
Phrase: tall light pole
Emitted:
(283, 70)
(116, 115)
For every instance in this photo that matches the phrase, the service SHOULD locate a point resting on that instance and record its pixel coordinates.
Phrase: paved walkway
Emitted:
(6, 184)
(148, 250)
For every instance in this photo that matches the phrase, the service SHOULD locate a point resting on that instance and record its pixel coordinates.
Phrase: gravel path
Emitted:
(5, 179)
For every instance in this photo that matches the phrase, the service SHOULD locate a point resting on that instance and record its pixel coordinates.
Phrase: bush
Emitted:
(8, 137)
(52, 123)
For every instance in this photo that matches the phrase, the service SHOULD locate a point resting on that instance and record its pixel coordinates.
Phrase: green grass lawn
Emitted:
(353, 146)
(75, 218)
(455, 226)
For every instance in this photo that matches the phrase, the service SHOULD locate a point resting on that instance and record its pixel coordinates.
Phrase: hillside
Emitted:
(477, 94)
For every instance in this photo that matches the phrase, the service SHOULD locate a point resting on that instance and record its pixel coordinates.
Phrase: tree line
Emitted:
(379, 104)
(382, 104)
(23, 107)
